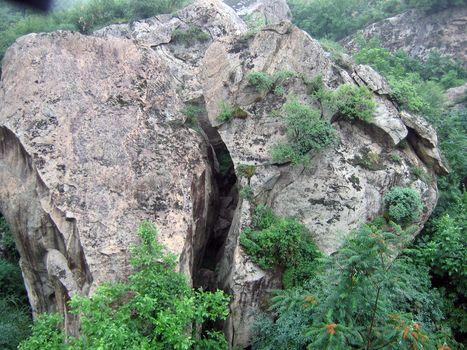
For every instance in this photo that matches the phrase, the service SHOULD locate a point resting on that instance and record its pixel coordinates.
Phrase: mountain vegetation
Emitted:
(381, 290)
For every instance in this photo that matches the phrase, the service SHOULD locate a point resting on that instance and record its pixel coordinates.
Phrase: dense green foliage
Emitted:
(417, 87)
(355, 102)
(273, 242)
(155, 309)
(403, 205)
(360, 298)
(15, 317)
(84, 16)
(306, 131)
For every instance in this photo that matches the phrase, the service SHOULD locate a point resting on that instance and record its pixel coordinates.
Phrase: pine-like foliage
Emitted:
(365, 298)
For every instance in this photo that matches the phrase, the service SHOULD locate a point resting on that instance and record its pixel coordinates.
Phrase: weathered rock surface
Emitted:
(418, 34)
(92, 142)
(89, 149)
(457, 96)
(335, 194)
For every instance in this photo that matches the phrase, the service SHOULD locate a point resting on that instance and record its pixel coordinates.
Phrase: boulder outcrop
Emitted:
(419, 33)
(93, 140)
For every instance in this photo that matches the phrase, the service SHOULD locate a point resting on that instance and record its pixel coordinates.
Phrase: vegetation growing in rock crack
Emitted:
(355, 102)
(189, 35)
(228, 112)
(274, 242)
(403, 205)
(264, 82)
(306, 132)
(155, 309)
(192, 112)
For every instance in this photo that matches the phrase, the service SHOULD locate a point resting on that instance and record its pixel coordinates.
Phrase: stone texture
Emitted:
(418, 33)
(332, 196)
(92, 141)
(267, 11)
(457, 96)
(87, 152)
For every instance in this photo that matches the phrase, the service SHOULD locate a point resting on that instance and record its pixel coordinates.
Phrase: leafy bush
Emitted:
(155, 309)
(227, 112)
(355, 102)
(417, 86)
(334, 19)
(444, 246)
(273, 241)
(264, 82)
(247, 193)
(403, 204)
(361, 298)
(192, 112)
(46, 334)
(261, 81)
(305, 131)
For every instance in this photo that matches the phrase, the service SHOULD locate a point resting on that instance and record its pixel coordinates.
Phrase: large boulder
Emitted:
(87, 152)
(337, 192)
(93, 141)
(419, 33)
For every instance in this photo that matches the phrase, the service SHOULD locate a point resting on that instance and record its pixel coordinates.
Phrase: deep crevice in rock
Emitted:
(222, 211)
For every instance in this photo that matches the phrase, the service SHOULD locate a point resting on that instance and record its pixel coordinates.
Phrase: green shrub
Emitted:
(46, 334)
(247, 193)
(334, 19)
(261, 81)
(305, 131)
(355, 102)
(264, 82)
(192, 113)
(417, 86)
(396, 158)
(421, 174)
(273, 241)
(246, 170)
(403, 204)
(156, 308)
(227, 112)
(360, 298)
(188, 36)
(15, 316)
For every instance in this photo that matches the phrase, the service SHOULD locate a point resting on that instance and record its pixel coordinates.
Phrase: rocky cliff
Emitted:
(418, 33)
(94, 138)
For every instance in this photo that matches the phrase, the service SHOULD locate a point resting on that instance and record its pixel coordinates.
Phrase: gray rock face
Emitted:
(334, 195)
(418, 33)
(457, 96)
(88, 151)
(92, 141)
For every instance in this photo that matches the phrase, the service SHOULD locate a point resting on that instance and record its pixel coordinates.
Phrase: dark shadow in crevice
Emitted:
(223, 207)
